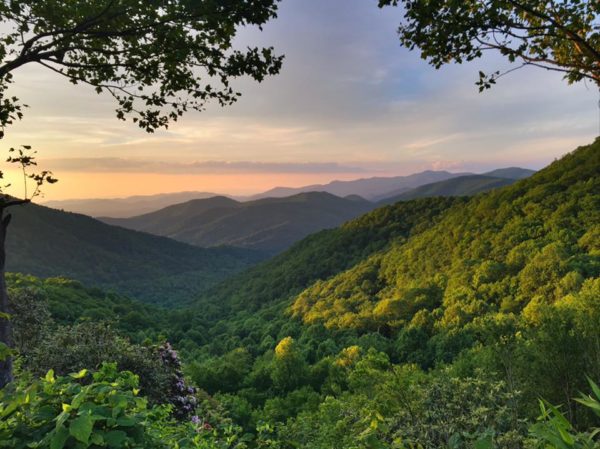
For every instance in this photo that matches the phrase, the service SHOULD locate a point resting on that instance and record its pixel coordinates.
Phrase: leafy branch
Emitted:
(24, 157)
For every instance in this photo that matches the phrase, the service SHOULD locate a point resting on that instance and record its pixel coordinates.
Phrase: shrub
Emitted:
(70, 349)
(102, 409)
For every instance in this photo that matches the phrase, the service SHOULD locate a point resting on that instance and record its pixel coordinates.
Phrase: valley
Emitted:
(404, 292)
(312, 225)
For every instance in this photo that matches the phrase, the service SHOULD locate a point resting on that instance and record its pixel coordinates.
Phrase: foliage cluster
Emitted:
(554, 35)
(94, 410)
(156, 59)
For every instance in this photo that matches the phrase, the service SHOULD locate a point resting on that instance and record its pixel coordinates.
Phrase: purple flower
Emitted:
(195, 419)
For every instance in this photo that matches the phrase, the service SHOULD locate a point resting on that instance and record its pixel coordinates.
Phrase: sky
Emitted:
(349, 103)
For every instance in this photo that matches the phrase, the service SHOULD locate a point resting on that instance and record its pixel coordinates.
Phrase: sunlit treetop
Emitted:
(557, 35)
(157, 58)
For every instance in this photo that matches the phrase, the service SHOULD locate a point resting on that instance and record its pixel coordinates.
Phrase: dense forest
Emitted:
(430, 323)
(48, 242)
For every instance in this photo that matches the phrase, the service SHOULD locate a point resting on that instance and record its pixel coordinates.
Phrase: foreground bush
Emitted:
(99, 410)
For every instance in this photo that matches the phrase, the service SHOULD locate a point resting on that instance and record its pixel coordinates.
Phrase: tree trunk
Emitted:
(6, 374)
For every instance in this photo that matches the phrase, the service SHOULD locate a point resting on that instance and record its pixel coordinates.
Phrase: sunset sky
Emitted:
(349, 103)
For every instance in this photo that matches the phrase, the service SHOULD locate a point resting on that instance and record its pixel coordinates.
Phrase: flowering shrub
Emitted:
(67, 349)
(180, 395)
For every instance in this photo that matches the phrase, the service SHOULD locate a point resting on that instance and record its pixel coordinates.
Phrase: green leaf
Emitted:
(78, 399)
(61, 419)
(485, 442)
(115, 438)
(59, 438)
(595, 387)
(5, 351)
(45, 412)
(454, 442)
(81, 428)
(126, 421)
(97, 439)
(80, 374)
(49, 376)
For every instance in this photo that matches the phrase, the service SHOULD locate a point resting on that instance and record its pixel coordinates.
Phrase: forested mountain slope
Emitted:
(422, 267)
(508, 250)
(47, 242)
(69, 302)
(325, 253)
(270, 224)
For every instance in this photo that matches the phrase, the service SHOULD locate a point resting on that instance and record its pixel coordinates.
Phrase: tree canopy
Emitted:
(157, 58)
(556, 35)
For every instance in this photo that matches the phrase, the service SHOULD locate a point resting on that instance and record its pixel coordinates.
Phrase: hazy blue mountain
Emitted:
(125, 207)
(48, 242)
(462, 185)
(270, 224)
(371, 189)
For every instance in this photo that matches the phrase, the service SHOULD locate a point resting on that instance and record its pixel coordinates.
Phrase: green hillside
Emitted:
(427, 282)
(531, 243)
(70, 302)
(431, 257)
(324, 254)
(46, 242)
(270, 224)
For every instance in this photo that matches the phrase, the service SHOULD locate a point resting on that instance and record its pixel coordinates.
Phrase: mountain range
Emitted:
(269, 225)
(273, 224)
(46, 242)
(125, 207)
(418, 268)
(372, 189)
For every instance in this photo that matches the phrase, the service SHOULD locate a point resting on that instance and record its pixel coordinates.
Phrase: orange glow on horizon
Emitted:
(75, 185)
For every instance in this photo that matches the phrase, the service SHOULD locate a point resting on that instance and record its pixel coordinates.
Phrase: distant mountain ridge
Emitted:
(371, 189)
(47, 242)
(460, 186)
(510, 173)
(125, 207)
(269, 224)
